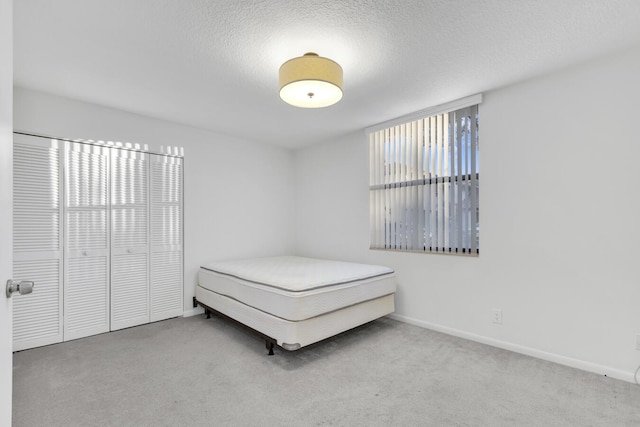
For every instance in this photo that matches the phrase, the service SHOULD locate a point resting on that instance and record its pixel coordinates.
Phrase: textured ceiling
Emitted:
(214, 64)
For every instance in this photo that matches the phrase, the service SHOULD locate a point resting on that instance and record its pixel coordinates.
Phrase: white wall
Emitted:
(559, 213)
(238, 195)
(6, 202)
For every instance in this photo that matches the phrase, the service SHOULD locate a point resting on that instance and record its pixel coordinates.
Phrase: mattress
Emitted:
(297, 288)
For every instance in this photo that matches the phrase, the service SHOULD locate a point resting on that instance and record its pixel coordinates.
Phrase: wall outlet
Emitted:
(497, 316)
(638, 342)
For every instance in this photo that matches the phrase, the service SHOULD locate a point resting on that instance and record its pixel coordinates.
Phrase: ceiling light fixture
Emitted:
(311, 81)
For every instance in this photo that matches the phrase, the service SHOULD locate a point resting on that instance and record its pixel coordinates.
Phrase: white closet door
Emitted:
(129, 239)
(86, 285)
(166, 237)
(37, 241)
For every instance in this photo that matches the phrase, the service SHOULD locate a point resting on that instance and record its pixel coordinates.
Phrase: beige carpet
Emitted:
(199, 372)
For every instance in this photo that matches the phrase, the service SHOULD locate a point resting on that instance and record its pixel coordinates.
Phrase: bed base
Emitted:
(293, 335)
(270, 343)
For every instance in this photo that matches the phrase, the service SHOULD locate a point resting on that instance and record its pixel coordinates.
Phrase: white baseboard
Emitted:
(551, 357)
(192, 312)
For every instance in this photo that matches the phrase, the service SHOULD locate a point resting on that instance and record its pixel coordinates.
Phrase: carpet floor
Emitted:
(210, 372)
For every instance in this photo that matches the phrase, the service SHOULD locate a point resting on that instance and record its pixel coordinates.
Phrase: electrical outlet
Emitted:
(497, 316)
(638, 342)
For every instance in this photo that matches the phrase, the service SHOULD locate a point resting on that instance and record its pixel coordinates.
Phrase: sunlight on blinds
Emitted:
(424, 184)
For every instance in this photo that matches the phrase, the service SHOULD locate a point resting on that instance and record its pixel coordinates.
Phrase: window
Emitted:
(424, 181)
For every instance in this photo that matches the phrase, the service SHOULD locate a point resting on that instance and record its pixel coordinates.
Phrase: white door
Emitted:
(6, 197)
(86, 258)
(37, 240)
(129, 239)
(166, 237)
(6, 229)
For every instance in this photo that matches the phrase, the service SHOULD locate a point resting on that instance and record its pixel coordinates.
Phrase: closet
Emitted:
(99, 230)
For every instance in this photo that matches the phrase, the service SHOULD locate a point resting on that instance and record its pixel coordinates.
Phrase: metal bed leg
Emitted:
(207, 311)
(269, 342)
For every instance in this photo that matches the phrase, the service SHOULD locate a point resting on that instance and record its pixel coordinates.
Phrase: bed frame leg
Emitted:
(269, 346)
(208, 313)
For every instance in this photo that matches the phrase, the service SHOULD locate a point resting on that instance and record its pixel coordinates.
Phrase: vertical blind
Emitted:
(424, 184)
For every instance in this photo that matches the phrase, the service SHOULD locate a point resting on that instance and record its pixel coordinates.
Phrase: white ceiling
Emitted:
(214, 64)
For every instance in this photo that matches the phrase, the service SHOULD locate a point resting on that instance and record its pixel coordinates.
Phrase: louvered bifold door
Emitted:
(86, 285)
(37, 241)
(166, 237)
(129, 239)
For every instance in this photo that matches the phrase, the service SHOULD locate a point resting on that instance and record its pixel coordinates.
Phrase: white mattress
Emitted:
(296, 288)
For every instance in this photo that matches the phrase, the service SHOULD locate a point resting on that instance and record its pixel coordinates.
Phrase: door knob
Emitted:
(21, 286)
